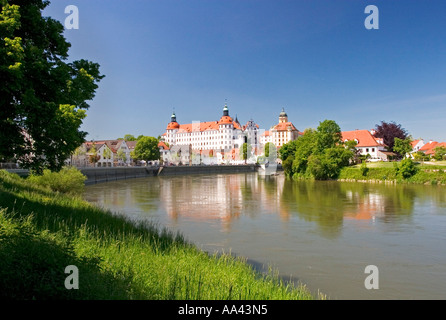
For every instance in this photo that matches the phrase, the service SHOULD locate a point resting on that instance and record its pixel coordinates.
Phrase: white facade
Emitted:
(222, 137)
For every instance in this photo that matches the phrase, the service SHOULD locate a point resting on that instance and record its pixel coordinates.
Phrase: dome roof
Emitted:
(225, 120)
(173, 125)
(283, 113)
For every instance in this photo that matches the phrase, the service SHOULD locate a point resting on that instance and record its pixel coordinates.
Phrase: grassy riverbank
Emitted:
(42, 232)
(387, 172)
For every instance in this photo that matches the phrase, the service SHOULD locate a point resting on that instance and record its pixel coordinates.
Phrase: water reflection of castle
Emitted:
(222, 197)
(225, 198)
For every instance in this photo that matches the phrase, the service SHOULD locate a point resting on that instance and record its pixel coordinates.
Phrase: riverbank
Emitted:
(42, 232)
(428, 174)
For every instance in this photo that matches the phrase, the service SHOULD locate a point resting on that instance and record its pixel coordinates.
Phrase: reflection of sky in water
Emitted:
(324, 232)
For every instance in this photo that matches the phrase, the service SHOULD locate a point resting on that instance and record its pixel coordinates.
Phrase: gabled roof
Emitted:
(429, 146)
(414, 143)
(363, 137)
(284, 126)
(161, 144)
(432, 147)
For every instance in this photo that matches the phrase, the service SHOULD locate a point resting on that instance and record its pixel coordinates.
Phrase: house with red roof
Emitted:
(367, 144)
(429, 148)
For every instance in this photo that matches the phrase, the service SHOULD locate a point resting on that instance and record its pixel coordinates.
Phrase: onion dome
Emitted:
(173, 124)
(225, 119)
(283, 113)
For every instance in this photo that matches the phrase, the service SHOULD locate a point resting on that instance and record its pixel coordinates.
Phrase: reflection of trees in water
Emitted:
(328, 203)
(318, 201)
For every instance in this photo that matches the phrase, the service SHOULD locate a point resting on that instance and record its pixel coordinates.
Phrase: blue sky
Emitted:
(313, 58)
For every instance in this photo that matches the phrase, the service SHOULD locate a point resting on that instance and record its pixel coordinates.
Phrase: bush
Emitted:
(364, 169)
(407, 168)
(68, 180)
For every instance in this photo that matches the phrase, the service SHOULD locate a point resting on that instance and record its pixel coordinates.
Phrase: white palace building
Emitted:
(212, 141)
(220, 141)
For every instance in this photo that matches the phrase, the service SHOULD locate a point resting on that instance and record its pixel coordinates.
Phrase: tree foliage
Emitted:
(246, 151)
(402, 146)
(43, 98)
(319, 153)
(388, 131)
(440, 153)
(146, 149)
(270, 151)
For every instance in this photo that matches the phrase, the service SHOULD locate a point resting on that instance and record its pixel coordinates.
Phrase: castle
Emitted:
(221, 141)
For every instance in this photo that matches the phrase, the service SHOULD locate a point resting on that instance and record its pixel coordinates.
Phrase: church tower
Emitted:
(283, 117)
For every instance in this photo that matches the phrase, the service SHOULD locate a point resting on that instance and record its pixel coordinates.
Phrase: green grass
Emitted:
(385, 171)
(42, 232)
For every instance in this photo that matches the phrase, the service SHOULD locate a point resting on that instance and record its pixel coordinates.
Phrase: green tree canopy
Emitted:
(270, 150)
(246, 151)
(43, 98)
(129, 137)
(402, 146)
(146, 149)
(319, 153)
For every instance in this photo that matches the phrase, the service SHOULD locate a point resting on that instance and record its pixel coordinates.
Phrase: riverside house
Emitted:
(367, 144)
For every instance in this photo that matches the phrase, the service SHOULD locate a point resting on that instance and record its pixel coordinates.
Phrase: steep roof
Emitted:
(429, 146)
(284, 126)
(432, 147)
(161, 144)
(363, 137)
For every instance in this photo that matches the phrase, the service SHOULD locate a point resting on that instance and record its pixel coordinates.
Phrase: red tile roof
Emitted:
(363, 137)
(284, 126)
(161, 144)
(431, 148)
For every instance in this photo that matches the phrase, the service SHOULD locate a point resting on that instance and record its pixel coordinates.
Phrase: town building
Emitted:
(196, 142)
(106, 153)
(367, 144)
(429, 149)
(281, 133)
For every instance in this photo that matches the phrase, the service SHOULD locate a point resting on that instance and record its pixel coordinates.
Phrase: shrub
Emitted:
(68, 180)
(364, 169)
(407, 168)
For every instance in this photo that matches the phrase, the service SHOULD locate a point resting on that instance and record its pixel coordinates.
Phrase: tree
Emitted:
(146, 149)
(270, 149)
(122, 156)
(93, 156)
(43, 99)
(328, 135)
(246, 151)
(402, 146)
(440, 153)
(388, 131)
(287, 150)
(129, 137)
(320, 153)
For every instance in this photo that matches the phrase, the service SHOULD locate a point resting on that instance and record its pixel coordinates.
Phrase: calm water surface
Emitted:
(323, 234)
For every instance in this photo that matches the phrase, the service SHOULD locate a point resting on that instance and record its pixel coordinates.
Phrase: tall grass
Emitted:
(42, 232)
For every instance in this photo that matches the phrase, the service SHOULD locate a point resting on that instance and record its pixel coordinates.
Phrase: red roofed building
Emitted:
(222, 136)
(368, 144)
(281, 133)
(429, 148)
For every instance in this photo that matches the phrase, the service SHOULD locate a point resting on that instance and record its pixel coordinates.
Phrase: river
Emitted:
(323, 234)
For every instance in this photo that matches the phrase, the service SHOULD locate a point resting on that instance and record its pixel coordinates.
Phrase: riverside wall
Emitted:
(99, 175)
(181, 170)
